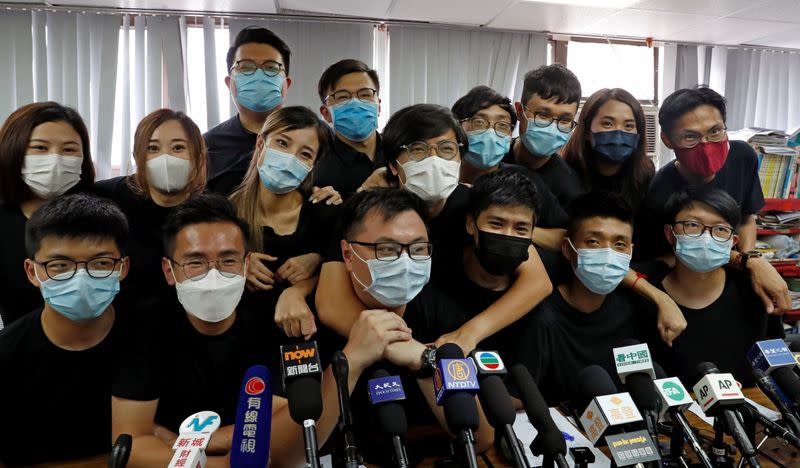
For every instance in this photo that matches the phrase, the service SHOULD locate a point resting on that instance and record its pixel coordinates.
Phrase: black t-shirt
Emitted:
(54, 394)
(145, 286)
(230, 148)
(556, 341)
(549, 212)
(17, 295)
(738, 176)
(345, 168)
(722, 333)
(188, 371)
(559, 176)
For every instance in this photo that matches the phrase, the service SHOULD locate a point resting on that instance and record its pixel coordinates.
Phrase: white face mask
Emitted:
(168, 173)
(433, 178)
(51, 175)
(213, 298)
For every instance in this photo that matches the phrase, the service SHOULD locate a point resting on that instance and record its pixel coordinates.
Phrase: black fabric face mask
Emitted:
(499, 254)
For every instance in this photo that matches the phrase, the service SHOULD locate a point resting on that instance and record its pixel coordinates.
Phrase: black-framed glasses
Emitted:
(692, 139)
(63, 269)
(390, 251)
(480, 125)
(197, 268)
(543, 119)
(419, 150)
(343, 95)
(248, 67)
(719, 232)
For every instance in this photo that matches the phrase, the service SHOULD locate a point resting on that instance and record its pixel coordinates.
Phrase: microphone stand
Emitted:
(680, 429)
(719, 448)
(772, 427)
(467, 440)
(310, 437)
(400, 455)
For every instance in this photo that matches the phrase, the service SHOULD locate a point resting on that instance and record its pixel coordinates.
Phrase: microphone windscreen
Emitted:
(641, 388)
(305, 398)
(532, 399)
(660, 374)
(788, 382)
(496, 401)
(391, 415)
(449, 351)
(460, 409)
(705, 368)
(595, 381)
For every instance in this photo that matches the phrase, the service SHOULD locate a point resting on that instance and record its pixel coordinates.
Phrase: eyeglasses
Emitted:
(419, 150)
(62, 269)
(363, 94)
(543, 119)
(719, 232)
(691, 139)
(248, 67)
(390, 251)
(480, 125)
(197, 269)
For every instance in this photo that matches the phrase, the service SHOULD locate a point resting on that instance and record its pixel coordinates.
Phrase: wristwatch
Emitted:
(745, 256)
(428, 361)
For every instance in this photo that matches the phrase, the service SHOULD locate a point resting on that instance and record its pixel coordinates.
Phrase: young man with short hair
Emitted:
(58, 362)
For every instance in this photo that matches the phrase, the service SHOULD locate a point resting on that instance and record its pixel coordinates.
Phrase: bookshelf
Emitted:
(781, 204)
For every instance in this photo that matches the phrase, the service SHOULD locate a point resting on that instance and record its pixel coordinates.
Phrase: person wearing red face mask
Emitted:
(693, 126)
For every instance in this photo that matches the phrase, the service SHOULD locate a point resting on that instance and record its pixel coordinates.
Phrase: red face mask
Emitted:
(705, 159)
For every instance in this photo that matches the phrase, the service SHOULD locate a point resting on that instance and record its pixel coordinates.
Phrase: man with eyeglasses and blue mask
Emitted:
(349, 92)
(57, 363)
(258, 79)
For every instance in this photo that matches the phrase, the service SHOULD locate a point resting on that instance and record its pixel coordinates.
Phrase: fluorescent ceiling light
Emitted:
(589, 3)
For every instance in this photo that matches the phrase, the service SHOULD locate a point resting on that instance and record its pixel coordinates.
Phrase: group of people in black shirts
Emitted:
(131, 303)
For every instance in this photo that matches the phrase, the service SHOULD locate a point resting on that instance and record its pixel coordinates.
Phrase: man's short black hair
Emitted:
(339, 69)
(684, 100)
(504, 187)
(78, 216)
(717, 199)
(599, 204)
(552, 81)
(202, 208)
(479, 98)
(255, 34)
(419, 123)
(389, 202)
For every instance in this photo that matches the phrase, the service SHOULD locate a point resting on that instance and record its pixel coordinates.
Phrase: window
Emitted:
(613, 65)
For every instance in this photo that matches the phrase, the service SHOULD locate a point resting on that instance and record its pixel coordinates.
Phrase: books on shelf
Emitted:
(778, 171)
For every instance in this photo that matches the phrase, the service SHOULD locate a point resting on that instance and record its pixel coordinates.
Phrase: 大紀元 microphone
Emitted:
(385, 394)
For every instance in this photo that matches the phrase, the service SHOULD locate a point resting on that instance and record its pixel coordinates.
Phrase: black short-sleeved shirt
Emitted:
(145, 286)
(17, 295)
(721, 333)
(550, 213)
(230, 148)
(346, 169)
(44, 386)
(559, 176)
(556, 341)
(738, 176)
(188, 371)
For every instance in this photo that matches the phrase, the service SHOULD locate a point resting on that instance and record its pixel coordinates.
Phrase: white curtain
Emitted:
(314, 46)
(436, 65)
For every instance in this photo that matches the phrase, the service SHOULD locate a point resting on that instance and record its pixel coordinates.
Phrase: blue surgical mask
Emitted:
(614, 146)
(397, 282)
(355, 119)
(81, 297)
(486, 149)
(259, 92)
(544, 141)
(281, 172)
(703, 253)
(601, 270)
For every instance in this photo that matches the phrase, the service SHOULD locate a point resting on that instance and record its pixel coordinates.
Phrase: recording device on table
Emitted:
(302, 375)
(251, 429)
(341, 370)
(386, 393)
(194, 436)
(121, 451)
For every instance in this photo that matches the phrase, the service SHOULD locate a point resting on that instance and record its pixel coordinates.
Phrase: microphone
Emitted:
(385, 393)
(635, 369)
(455, 383)
(765, 384)
(496, 401)
(251, 430)
(193, 438)
(302, 373)
(789, 383)
(121, 451)
(549, 440)
(341, 369)
(770, 356)
(716, 394)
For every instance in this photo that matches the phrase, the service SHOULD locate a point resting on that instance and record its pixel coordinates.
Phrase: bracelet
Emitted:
(638, 277)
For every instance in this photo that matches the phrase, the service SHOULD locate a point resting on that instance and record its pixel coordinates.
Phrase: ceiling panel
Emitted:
(694, 7)
(549, 17)
(789, 39)
(638, 23)
(243, 6)
(475, 12)
(773, 10)
(367, 9)
(732, 31)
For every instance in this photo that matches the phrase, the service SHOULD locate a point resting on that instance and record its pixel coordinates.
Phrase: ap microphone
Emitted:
(302, 374)
(251, 430)
(718, 394)
(385, 394)
(455, 383)
(635, 369)
(194, 436)
(120, 452)
(341, 369)
(549, 440)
